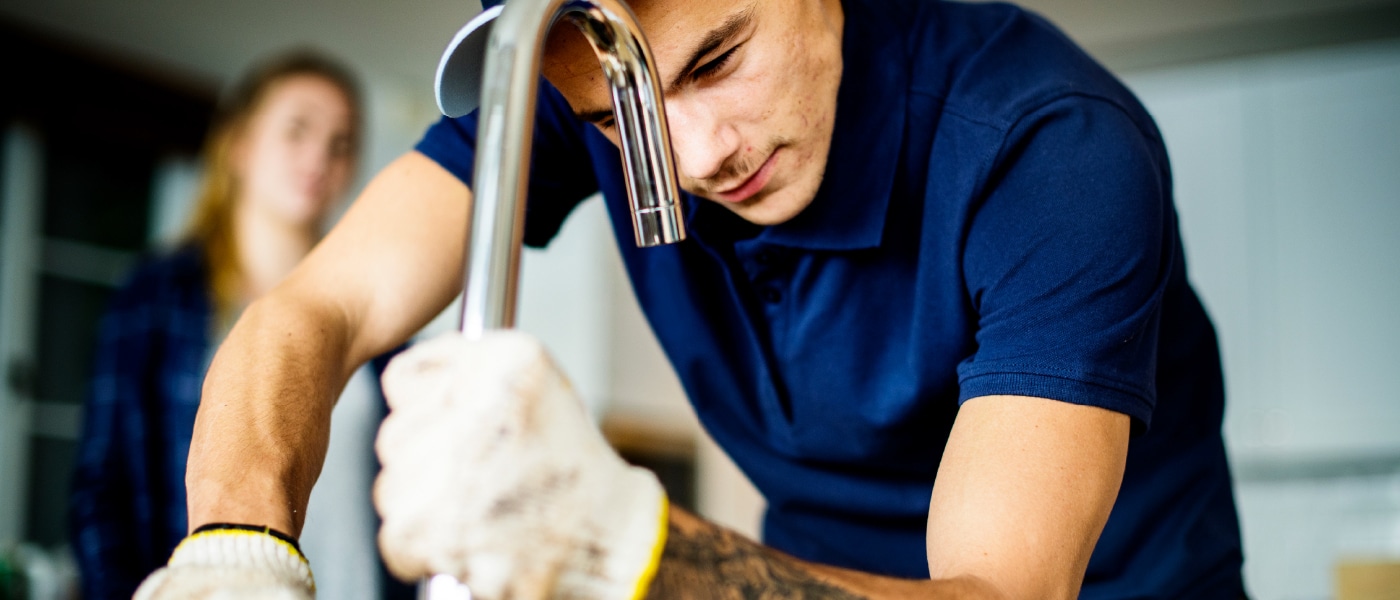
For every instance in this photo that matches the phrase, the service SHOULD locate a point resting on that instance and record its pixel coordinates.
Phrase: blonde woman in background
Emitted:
(279, 156)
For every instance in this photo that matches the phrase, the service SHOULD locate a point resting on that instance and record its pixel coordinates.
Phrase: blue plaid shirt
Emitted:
(128, 503)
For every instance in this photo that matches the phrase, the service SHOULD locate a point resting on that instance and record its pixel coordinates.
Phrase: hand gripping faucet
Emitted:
(512, 37)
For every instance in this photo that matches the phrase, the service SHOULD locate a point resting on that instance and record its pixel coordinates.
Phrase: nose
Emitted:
(701, 139)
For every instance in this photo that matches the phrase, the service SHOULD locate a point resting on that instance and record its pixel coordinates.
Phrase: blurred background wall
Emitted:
(1282, 118)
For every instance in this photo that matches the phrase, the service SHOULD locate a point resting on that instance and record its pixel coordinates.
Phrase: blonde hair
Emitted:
(212, 228)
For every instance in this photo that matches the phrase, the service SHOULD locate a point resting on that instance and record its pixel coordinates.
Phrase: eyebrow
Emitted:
(713, 39)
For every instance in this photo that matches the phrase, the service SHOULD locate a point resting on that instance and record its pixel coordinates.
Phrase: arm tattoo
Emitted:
(704, 561)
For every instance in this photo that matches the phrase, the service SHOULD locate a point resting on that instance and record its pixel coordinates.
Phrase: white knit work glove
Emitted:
(494, 474)
(232, 562)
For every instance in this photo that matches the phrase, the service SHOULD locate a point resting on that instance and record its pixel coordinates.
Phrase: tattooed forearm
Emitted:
(704, 561)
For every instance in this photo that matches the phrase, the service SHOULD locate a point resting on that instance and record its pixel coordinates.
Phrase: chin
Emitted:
(776, 208)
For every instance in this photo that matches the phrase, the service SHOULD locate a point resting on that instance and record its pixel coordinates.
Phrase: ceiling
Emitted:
(215, 39)
(1101, 23)
(400, 39)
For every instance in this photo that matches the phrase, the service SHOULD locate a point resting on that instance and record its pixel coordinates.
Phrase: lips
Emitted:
(753, 184)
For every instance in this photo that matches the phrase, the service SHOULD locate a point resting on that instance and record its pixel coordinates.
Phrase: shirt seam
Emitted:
(1138, 394)
(1050, 97)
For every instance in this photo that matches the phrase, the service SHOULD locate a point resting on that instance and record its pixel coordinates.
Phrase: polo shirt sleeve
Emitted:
(1067, 259)
(561, 173)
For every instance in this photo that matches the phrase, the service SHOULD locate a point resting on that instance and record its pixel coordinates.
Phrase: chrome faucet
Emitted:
(512, 38)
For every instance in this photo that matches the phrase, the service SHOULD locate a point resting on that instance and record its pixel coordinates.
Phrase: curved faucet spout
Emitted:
(508, 90)
(640, 113)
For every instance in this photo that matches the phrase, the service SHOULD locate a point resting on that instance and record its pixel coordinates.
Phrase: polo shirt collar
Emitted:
(848, 212)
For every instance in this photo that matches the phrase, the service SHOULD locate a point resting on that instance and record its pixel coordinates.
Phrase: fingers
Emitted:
(487, 457)
(535, 581)
(402, 564)
(451, 362)
(422, 372)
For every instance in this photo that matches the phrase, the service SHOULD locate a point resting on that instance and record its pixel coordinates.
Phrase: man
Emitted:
(927, 239)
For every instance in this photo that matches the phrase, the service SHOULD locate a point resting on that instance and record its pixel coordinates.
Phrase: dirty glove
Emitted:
(232, 561)
(494, 474)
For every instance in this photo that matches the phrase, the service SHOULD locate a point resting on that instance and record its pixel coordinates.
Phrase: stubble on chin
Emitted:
(736, 170)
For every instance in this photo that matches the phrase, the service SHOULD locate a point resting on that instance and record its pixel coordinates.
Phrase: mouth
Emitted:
(753, 184)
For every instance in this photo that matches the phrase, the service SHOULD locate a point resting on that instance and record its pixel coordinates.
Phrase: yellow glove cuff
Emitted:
(244, 546)
(659, 548)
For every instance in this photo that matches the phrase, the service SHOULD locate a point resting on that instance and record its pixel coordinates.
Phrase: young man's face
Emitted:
(750, 95)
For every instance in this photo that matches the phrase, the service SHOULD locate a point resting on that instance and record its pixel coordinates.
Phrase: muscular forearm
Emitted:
(704, 560)
(389, 265)
(264, 419)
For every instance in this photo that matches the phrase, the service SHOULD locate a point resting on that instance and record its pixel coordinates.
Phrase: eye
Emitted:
(712, 68)
(297, 130)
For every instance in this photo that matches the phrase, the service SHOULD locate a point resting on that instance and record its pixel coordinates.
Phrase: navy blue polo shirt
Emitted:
(996, 218)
